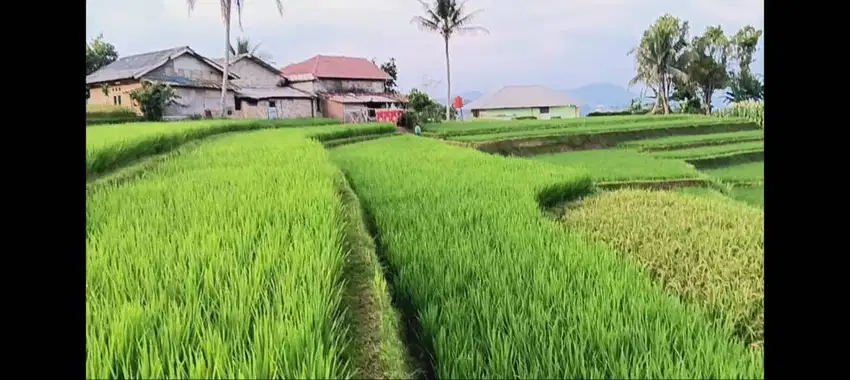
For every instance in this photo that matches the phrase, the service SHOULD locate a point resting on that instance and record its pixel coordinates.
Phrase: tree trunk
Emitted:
(707, 101)
(226, 58)
(448, 82)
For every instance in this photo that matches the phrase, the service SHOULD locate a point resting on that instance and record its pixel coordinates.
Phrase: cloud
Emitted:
(552, 42)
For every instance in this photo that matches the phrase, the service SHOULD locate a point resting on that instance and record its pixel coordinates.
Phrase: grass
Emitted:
(603, 128)
(224, 263)
(108, 114)
(680, 142)
(709, 250)
(749, 172)
(753, 195)
(750, 110)
(712, 151)
(502, 291)
(110, 147)
(621, 164)
(478, 127)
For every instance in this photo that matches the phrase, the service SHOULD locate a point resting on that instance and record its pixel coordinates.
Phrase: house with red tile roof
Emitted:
(350, 89)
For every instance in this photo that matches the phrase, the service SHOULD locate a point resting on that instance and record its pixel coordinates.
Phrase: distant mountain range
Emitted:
(607, 96)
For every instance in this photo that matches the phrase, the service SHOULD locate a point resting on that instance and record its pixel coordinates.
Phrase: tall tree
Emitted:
(390, 68)
(99, 53)
(744, 85)
(656, 58)
(226, 8)
(708, 65)
(448, 17)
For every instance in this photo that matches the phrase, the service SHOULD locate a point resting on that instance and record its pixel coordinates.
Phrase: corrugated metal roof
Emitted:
(365, 98)
(134, 66)
(322, 66)
(237, 58)
(277, 92)
(178, 81)
(523, 97)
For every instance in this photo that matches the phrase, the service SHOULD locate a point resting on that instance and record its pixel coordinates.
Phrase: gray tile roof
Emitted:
(133, 66)
(522, 97)
(277, 92)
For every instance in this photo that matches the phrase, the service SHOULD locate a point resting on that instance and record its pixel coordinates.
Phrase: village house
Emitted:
(262, 93)
(347, 88)
(536, 102)
(196, 80)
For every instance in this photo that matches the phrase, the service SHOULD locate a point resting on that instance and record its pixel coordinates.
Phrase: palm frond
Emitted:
(425, 24)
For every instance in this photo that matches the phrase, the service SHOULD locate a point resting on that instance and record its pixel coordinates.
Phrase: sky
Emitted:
(561, 44)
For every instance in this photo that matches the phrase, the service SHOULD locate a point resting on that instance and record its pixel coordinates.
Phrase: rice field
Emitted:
(501, 290)
(596, 129)
(712, 151)
(683, 142)
(749, 172)
(753, 195)
(214, 266)
(622, 164)
(317, 250)
(112, 146)
(481, 127)
(706, 249)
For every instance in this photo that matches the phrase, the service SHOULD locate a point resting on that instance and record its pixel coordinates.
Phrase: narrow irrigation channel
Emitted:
(393, 342)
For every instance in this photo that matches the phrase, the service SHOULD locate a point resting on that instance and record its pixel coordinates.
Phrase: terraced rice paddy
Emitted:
(317, 250)
(684, 142)
(682, 126)
(749, 172)
(717, 259)
(214, 266)
(712, 151)
(458, 231)
(485, 127)
(622, 164)
(111, 146)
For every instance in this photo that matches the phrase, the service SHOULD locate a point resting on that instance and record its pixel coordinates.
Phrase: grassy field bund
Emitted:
(501, 290)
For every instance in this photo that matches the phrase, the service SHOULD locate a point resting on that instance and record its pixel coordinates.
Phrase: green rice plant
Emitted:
(97, 111)
(226, 262)
(338, 132)
(693, 141)
(503, 291)
(621, 164)
(700, 191)
(605, 128)
(751, 110)
(749, 172)
(753, 195)
(711, 151)
(480, 127)
(708, 250)
(110, 147)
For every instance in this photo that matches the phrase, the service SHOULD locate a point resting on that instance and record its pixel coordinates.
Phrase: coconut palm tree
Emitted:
(657, 57)
(447, 17)
(226, 8)
(244, 46)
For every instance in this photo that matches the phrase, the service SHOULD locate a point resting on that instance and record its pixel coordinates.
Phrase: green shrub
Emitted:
(526, 118)
(153, 98)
